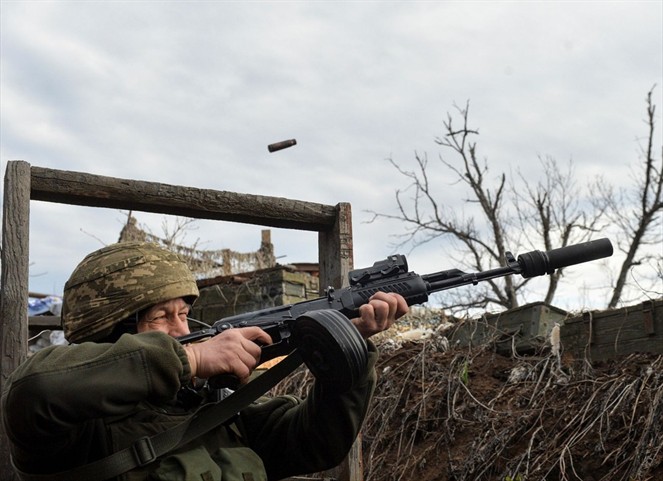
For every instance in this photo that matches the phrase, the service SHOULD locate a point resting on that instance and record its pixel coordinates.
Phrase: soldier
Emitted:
(121, 381)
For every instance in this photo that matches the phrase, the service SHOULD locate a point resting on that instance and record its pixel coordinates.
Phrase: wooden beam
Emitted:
(45, 322)
(78, 188)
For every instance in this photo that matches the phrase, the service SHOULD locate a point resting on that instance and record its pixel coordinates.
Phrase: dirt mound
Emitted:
(443, 413)
(472, 414)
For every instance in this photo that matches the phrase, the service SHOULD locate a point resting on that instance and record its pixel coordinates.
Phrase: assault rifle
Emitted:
(329, 343)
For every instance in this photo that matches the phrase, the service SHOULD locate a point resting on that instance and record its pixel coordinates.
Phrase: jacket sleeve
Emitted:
(297, 437)
(60, 388)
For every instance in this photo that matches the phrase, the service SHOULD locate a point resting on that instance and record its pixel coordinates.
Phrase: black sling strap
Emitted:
(147, 449)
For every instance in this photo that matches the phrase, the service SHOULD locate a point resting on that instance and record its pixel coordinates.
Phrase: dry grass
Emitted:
(470, 414)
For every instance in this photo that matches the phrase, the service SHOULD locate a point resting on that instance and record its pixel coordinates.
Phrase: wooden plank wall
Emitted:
(613, 333)
(24, 182)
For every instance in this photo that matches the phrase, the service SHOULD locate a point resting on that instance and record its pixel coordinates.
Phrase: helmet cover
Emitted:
(119, 280)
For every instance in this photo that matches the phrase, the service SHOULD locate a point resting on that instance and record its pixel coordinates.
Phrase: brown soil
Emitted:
(464, 414)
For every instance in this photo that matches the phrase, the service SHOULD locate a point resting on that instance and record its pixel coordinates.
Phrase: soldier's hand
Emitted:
(380, 313)
(234, 351)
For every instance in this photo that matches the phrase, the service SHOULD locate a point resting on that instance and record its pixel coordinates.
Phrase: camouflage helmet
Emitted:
(120, 280)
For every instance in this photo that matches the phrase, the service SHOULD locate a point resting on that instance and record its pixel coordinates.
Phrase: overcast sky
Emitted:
(191, 93)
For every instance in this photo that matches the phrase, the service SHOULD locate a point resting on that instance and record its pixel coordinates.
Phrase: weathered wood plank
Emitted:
(78, 188)
(336, 254)
(335, 248)
(45, 322)
(14, 282)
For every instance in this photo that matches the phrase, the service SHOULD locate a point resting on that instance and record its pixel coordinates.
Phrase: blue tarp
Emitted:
(45, 305)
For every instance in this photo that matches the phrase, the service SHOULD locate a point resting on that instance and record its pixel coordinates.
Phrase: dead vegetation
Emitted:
(470, 414)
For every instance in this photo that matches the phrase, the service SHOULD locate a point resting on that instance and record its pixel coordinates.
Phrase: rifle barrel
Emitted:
(440, 281)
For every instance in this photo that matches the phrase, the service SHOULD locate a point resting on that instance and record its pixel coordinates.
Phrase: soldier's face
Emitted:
(168, 316)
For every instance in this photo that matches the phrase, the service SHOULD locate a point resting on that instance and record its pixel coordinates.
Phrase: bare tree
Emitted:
(426, 219)
(635, 212)
(554, 210)
(510, 216)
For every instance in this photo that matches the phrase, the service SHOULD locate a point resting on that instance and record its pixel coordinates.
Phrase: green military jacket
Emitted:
(70, 405)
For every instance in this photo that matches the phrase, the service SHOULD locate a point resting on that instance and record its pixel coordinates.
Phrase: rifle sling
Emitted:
(147, 449)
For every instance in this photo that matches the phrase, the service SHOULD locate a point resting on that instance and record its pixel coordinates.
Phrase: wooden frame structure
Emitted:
(24, 183)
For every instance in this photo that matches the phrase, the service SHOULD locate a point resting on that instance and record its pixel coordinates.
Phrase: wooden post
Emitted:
(335, 249)
(14, 283)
